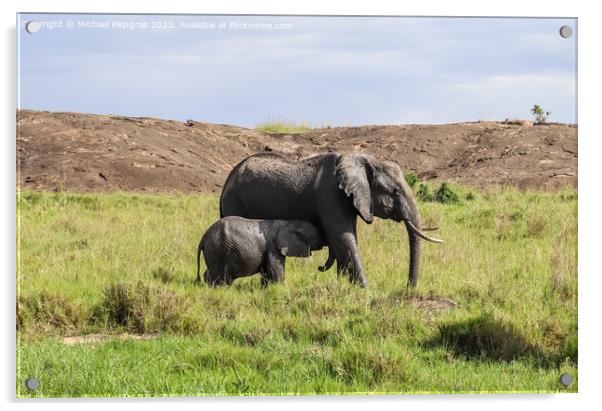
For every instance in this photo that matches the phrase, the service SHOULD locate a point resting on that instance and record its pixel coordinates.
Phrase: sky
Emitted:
(336, 71)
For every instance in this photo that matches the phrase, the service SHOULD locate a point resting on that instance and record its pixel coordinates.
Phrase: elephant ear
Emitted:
(290, 242)
(354, 174)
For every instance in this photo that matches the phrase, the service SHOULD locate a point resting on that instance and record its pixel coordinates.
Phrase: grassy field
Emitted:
(495, 309)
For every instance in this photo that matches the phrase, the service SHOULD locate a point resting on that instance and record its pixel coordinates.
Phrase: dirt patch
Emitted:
(98, 338)
(432, 305)
(84, 152)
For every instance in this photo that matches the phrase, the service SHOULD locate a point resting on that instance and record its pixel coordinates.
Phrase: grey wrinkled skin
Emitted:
(330, 191)
(236, 247)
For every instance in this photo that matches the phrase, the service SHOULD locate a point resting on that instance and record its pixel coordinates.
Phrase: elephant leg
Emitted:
(265, 279)
(348, 259)
(214, 281)
(343, 240)
(274, 267)
(216, 272)
(205, 277)
(228, 276)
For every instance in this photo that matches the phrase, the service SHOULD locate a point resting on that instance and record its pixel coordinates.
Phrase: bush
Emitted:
(411, 178)
(140, 309)
(540, 115)
(51, 310)
(446, 195)
(424, 193)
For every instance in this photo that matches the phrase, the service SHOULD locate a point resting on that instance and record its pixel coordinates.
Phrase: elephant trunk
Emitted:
(414, 259)
(414, 235)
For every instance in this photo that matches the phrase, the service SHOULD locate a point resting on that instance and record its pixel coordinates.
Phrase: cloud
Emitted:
(324, 70)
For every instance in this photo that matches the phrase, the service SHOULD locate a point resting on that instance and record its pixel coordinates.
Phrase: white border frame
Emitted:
(589, 193)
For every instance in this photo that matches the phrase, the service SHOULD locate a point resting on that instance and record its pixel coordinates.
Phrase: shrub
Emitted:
(446, 195)
(411, 178)
(424, 193)
(123, 305)
(540, 115)
(53, 310)
(141, 309)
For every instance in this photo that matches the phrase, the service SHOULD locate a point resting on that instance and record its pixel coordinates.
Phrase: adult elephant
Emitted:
(329, 190)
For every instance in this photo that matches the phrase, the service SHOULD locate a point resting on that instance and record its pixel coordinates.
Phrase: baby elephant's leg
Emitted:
(218, 275)
(273, 268)
(264, 276)
(229, 275)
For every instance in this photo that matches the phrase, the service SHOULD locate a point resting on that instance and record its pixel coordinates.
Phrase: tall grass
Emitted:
(283, 126)
(495, 309)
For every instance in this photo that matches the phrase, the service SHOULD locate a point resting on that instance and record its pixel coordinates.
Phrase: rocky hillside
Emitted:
(84, 152)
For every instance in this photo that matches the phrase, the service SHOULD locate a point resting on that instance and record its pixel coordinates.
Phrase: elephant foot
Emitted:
(412, 282)
(359, 280)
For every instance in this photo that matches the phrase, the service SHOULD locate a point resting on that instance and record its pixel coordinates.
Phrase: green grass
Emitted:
(125, 263)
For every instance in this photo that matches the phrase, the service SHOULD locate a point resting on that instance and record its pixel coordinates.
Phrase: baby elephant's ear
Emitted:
(291, 242)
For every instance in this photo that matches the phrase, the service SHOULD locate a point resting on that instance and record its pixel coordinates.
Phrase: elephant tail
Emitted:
(198, 259)
(329, 262)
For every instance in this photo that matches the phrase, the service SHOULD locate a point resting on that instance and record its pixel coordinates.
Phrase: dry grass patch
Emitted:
(98, 338)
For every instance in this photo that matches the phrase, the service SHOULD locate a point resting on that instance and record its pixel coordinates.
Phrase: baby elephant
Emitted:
(238, 247)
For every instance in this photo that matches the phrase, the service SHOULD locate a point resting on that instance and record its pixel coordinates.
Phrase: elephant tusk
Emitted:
(421, 234)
